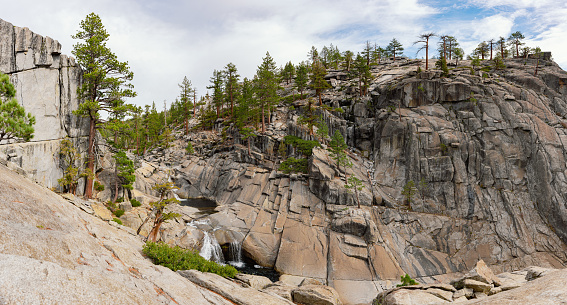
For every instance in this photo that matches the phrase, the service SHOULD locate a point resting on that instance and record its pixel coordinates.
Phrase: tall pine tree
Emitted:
(106, 81)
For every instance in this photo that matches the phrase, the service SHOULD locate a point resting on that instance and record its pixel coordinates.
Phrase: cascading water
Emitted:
(235, 251)
(211, 249)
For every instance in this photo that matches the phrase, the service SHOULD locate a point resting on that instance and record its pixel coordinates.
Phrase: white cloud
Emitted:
(163, 41)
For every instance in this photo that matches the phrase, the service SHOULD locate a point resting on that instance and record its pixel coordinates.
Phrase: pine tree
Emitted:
(106, 80)
(301, 78)
(367, 53)
(348, 58)
(395, 48)
(516, 40)
(218, 90)
(124, 171)
(266, 84)
(362, 71)
(158, 209)
(318, 81)
(424, 38)
(337, 149)
(481, 50)
(231, 78)
(185, 99)
(15, 123)
(69, 158)
(288, 72)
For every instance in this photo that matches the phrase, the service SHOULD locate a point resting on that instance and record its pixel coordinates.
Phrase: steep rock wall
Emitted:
(46, 82)
(490, 148)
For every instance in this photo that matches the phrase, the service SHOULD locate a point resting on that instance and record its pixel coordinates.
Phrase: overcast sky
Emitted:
(165, 40)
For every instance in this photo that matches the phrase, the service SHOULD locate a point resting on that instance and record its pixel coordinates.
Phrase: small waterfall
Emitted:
(211, 249)
(235, 251)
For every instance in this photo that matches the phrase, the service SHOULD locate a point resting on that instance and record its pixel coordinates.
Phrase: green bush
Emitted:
(98, 186)
(485, 69)
(407, 281)
(120, 199)
(176, 258)
(118, 221)
(189, 149)
(118, 213)
(135, 203)
(304, 146)
(294, 165)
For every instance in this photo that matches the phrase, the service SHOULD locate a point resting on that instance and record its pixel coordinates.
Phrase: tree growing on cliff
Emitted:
(353, 183)
(516, 40)
(424, 38)
(164, 191)
(395, 48)
(185, 98)
(266, 86)
(15, 123)
(318, 81)
(124, 171)
(106, 81)
(301, 78)
(337, 149)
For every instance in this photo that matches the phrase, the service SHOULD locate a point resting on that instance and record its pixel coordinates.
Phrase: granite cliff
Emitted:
(46, 82)
(490, 145)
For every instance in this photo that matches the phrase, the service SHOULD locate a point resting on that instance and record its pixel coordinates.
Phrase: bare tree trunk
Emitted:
(91, 157)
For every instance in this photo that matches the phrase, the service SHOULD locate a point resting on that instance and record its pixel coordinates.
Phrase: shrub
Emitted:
(120, 199)
(118, 221)
(304, 146)
(135, 203)
(294, 165)
(118, 213)
(176, 258)
(485, 69)
(99, 187)
(407, 281)
(189, 149)
(442, 65)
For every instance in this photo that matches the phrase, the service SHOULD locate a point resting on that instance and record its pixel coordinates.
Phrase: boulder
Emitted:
(254, 281)
(316, 295)
(231, 290)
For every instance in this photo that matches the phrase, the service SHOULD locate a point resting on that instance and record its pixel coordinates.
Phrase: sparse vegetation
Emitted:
(176, 258)
(293, 165)
(407, 281)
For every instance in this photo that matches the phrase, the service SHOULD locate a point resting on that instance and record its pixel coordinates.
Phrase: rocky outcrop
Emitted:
(46, 82)
(52, 252)
(489, 150)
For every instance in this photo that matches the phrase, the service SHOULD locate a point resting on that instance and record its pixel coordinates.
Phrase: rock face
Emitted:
(46, 82)
(489, 149)
(52, 252)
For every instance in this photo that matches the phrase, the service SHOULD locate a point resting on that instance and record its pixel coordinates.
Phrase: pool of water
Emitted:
(249, 268)
(204, 205)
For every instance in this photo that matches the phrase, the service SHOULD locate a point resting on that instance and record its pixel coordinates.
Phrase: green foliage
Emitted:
(125, 169)
(118, 221)
(486, 69)
(420, 88)
(308, 118)
(475, 62)
(292, 165)
(391, 108)
(337, 149)
(15, 123)
(418, 70)
(292, 98)
(361, 70)
(135, 203)
(318, 81)
(69, 157)
(471, 69)
(164, 191)
(395, 48)
(99, 187)
(105, 80)
(301, 78)
(266, 84)
(176, 258)
(118, 213)
(498, 63)
(409, 191)
(189, 149)
(444, 148)
(353, 183)
(305, 147)
(423, 188)
(442, 65)
(406, 281)
(282, 149)
(322, 130)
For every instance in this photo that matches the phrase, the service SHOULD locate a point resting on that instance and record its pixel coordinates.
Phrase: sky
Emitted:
(165, 40)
